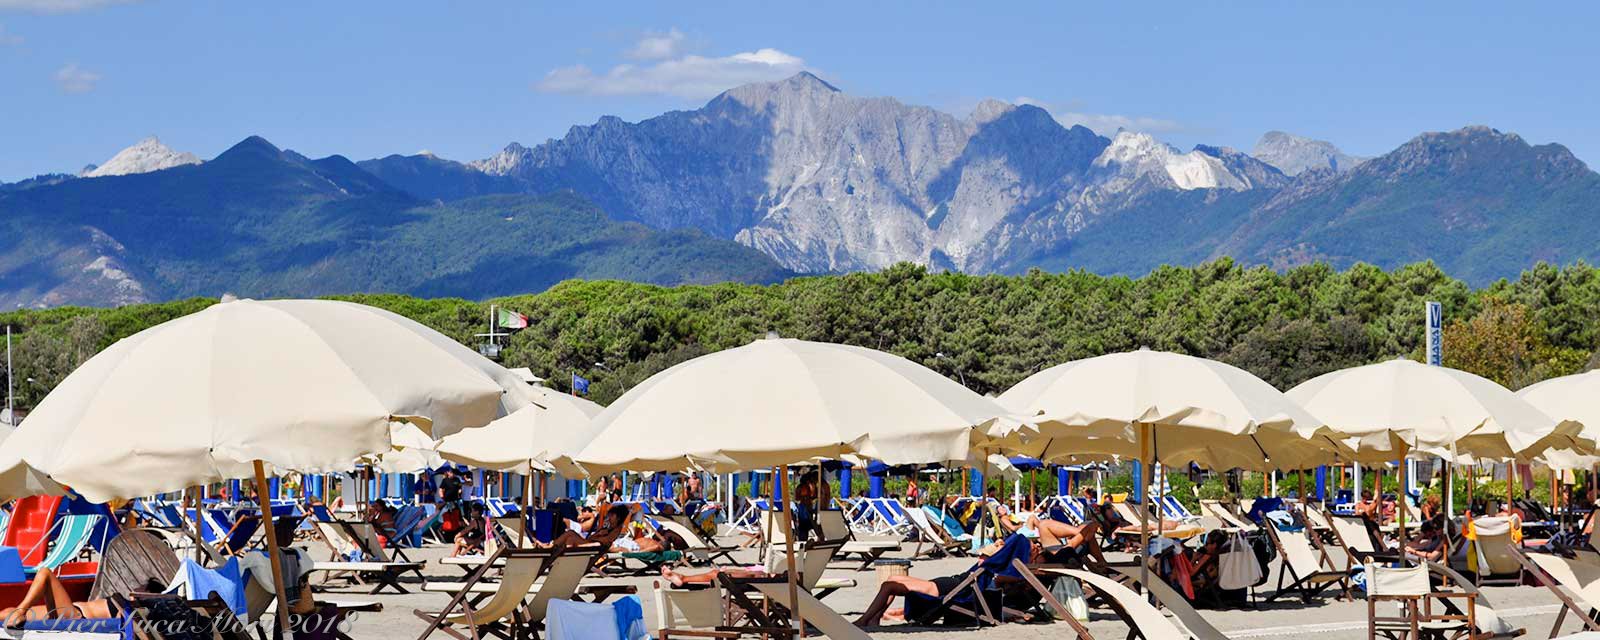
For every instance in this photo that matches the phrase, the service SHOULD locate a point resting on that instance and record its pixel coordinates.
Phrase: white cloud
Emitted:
(672, 72)
(8, 39)
(73, 79)
(658, 46)
(57, 6)
(1105, 124)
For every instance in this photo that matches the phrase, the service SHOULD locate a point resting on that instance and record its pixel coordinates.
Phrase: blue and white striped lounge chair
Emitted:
(1174, 510)
(889, 516)
(72, 532)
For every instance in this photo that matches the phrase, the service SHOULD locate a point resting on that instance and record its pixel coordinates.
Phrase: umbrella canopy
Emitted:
(1574, 397)
(545, 434)
(18, 479)
(305, 385)
(780, 401)
(413, 451)
(1390, 406)
(1198, 410)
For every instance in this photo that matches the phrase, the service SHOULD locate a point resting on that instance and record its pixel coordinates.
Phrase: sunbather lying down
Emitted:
(710, 577)
(47, 599)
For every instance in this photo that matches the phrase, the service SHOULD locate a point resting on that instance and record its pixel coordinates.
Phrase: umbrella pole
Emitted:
(527, 489)
(1400, 504)
(272, 548)
(1161, 484)
(1144, 511)
(1511, 472)
(199, 518)
(788, 549)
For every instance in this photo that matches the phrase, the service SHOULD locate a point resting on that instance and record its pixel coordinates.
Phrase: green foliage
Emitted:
(994, 330)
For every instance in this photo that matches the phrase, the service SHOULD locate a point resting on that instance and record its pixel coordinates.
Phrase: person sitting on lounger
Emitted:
(923, 597)
(469, 540)
(1429, 543)
(616, 519)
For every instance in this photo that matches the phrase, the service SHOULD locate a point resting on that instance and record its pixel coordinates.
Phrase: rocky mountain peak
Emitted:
(143, 157)
(989, 110)
(504, 163)
(1475, 146)
(1294, 155)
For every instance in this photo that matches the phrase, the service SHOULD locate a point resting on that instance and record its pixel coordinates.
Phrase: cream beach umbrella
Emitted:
(780, 401)
(1195, 410)
(1577, 398)
(776, 402)
(17, 478)
(302, 385)
(1393, 408)
(1159, 406)
(1404, 404)
(538, 438)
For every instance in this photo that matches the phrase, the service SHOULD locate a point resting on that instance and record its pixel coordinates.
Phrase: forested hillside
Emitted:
(993, 330)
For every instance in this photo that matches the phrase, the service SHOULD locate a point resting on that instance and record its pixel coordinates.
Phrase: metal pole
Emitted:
(11, 414)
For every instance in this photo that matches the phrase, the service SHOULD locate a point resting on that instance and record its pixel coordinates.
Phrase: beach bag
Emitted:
(1069, 593)
(1239, 567)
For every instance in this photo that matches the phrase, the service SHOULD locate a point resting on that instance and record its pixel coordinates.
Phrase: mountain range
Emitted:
(777, 178)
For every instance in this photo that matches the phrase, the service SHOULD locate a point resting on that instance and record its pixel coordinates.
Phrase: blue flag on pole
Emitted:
(580, 385)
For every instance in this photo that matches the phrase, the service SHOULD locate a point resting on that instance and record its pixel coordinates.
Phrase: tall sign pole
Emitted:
(1435, 353)
(11, 415)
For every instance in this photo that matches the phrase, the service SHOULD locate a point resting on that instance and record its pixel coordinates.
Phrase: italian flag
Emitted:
(509, 319)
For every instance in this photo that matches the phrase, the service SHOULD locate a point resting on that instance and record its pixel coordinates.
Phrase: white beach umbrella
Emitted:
(781, 401)
(1399, 404)
(776, 402)
(543, 435)
(303, 385)
(1159, 406)
(17, 478)
(1195, 410)
(1574, 397)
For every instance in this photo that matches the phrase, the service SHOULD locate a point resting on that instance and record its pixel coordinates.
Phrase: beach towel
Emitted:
(573, 620)
(195, 582)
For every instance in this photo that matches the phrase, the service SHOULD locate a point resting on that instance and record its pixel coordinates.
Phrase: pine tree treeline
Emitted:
(993, 330)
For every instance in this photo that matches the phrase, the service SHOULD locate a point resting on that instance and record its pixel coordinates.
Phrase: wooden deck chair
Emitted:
(131, 562)
(373, 566)
(1314, 517)
(505, 613)
(815, 613)
(832, 525)
(1195, 624)
(1142, 618)
(1575, 583)
(1126, 511)
(1303, 567)
(1411, 588)
(1490, 626)
(938, 542)
(1225, 517)
(702, 613)
(701, 548)
(1491, 557)
(814, 558)
(1352, 533)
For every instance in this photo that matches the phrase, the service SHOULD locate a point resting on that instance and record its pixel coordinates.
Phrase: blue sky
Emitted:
(80, 79)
